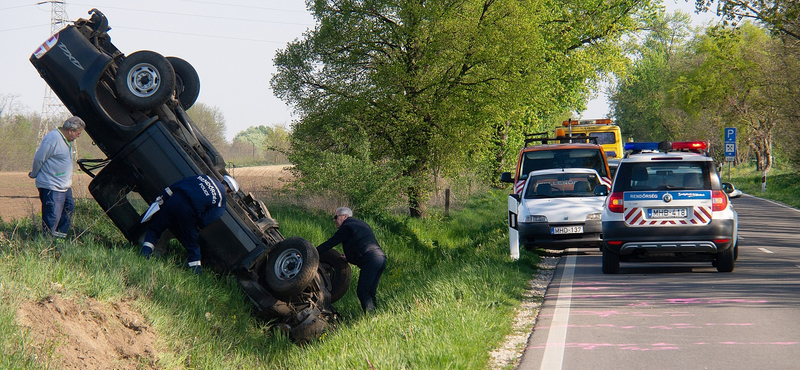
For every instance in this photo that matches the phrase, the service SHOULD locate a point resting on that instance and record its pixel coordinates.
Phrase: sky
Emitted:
(231, 44)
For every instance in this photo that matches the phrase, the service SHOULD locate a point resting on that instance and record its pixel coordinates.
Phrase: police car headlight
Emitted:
(535, 218)
(593, 216)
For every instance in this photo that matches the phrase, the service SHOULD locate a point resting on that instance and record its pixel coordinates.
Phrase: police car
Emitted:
(560, 208)
(667, 203)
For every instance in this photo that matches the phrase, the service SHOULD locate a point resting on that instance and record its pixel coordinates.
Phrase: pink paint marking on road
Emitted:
(654, 346)
(710, 301)
(604, 296)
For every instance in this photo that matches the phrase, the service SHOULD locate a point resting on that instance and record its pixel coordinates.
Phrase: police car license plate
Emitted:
(666, 213)
(566, 230)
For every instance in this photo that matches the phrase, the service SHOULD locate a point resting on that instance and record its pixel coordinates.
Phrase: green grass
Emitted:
(783, 184)
(446, 299)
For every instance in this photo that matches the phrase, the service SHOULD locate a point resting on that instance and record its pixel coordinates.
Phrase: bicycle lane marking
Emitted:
(556, 340)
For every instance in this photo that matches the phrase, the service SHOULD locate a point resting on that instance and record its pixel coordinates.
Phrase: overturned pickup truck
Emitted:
(134, 108)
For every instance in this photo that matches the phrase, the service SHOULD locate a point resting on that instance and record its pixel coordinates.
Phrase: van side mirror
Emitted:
(601, 190)
(506, 177)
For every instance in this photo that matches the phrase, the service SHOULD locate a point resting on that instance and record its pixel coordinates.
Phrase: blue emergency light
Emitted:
(667, 145)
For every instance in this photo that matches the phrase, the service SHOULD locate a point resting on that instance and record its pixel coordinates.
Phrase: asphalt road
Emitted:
(676, 315)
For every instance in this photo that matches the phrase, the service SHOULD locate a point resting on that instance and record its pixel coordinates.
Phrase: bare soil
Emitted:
(19, 197)
(88, 334)
(83, 333)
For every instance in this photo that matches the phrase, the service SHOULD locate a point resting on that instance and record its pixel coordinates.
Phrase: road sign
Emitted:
(730, 144)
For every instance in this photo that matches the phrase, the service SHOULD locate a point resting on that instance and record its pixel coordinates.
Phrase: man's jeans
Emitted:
(57, 209)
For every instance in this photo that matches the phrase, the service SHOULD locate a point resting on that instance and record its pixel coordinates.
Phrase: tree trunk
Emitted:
(417, 201)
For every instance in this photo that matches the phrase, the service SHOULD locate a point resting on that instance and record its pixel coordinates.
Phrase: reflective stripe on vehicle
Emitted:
(667, 208)
(635, 216)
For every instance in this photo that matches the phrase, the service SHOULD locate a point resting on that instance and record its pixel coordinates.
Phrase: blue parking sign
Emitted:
(730, 144)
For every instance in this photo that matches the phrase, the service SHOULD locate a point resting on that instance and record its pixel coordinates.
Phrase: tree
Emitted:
(639, 99)
(780, 16)
(273, 141)
(426, 83)
(211, 122)
(734, 79)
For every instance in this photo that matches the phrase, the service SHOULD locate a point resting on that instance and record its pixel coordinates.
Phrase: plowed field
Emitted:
(19, 197)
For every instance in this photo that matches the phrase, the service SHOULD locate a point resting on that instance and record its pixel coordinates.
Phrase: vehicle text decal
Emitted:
(71, 58)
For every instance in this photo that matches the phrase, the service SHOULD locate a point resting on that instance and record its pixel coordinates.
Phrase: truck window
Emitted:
(604, 137)
(563, 158)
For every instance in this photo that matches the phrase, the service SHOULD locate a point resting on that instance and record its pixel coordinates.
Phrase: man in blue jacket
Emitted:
(52, 169)
(361, 249)
(185, 207)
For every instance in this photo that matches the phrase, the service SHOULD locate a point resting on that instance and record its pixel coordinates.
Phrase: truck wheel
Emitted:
(187, 82)
(292, 266)
(338, 273)
(610, 262)
(725, 260)
(145, 80)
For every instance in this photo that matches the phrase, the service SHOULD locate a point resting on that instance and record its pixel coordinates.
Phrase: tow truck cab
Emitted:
(603, 130)
(563, 151)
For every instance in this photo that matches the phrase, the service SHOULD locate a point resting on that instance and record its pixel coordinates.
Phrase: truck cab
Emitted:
(562, 151)
(603, 130)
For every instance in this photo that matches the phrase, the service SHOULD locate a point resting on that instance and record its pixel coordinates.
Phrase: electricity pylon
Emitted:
(52, 109)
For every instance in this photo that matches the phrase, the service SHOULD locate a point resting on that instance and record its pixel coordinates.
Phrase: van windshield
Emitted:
(563, 158)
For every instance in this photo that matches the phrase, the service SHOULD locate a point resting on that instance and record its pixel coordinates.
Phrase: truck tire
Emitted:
(338, 273)
(187, 82)
(291, 267)
(145, 80)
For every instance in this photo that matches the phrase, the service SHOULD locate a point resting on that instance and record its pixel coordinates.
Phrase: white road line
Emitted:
(765, 250)
(774, 202)
(556, 340)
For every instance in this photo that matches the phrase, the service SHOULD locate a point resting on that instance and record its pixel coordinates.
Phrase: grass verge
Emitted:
(447, 298)
(783, 184)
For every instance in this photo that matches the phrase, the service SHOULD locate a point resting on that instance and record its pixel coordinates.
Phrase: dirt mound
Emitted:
(89, 334)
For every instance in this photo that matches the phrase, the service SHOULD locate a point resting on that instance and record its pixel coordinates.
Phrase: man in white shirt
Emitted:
(52, 169)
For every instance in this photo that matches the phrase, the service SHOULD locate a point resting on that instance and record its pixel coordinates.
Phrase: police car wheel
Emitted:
(291, 267)
(145, 80)
(610, 262)
(338, 273)
(725, 260)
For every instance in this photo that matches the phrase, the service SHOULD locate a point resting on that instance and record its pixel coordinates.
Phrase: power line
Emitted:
(199, 35)
(199, 15)
(26, 27)
(242, 6)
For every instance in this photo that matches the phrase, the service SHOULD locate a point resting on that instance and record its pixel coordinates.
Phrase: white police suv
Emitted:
(667, 203)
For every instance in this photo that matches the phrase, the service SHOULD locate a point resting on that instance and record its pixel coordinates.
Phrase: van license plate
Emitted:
(661, 213)
(566, 230)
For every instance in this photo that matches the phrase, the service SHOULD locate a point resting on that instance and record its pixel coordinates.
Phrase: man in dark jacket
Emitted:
(185, 207)
(361, 249)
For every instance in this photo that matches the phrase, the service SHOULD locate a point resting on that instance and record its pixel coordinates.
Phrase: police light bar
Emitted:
(691, 145)
(641, 146)
(666, 145)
